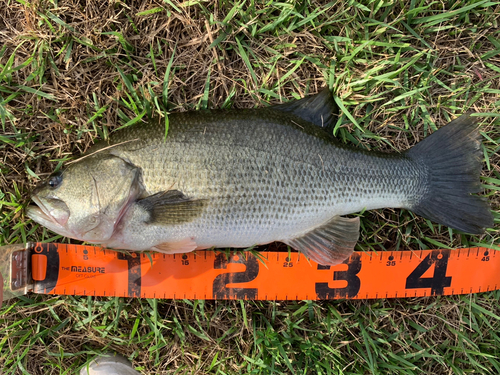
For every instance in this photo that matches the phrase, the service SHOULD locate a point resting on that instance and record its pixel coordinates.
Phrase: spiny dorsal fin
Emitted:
(331, 243)
(319, 109)
(171, 207)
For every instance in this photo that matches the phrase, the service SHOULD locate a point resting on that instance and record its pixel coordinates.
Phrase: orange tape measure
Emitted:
(88, 270)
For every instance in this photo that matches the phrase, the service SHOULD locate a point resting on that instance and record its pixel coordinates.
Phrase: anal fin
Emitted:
(330, 243)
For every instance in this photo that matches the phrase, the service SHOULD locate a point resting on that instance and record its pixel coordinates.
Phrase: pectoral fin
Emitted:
(171, 207)
(331, 243)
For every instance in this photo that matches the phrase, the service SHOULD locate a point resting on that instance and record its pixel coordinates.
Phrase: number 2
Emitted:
(220, 288)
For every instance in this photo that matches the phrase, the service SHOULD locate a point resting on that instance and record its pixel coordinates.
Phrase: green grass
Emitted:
(400, 69)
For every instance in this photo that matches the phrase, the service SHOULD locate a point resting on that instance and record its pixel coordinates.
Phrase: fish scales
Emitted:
(262, 178)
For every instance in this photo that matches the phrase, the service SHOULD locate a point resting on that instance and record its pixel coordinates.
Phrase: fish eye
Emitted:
(55, 180)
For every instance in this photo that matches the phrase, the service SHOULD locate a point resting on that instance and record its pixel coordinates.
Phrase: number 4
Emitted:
(439, 280)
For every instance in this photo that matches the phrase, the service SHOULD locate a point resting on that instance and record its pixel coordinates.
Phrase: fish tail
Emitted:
(452, 161)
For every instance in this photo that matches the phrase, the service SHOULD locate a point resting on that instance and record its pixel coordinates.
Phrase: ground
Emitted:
(73, 71)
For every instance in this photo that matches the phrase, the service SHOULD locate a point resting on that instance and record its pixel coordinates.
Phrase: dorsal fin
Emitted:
(319, 109)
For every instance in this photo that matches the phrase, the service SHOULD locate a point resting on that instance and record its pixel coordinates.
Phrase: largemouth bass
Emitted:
(238, 178)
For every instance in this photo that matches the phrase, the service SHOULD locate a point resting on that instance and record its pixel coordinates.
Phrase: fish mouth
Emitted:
(39, 211)
(41, 214)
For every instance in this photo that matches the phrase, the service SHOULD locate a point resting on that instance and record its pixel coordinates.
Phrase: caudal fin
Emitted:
(452, 159)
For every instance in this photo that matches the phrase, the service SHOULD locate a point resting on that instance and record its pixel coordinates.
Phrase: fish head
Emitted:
(86, 200)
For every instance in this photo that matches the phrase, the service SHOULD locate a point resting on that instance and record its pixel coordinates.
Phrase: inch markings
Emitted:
(87, 270)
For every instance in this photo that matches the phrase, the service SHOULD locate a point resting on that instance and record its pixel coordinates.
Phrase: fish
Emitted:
(236, 178)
